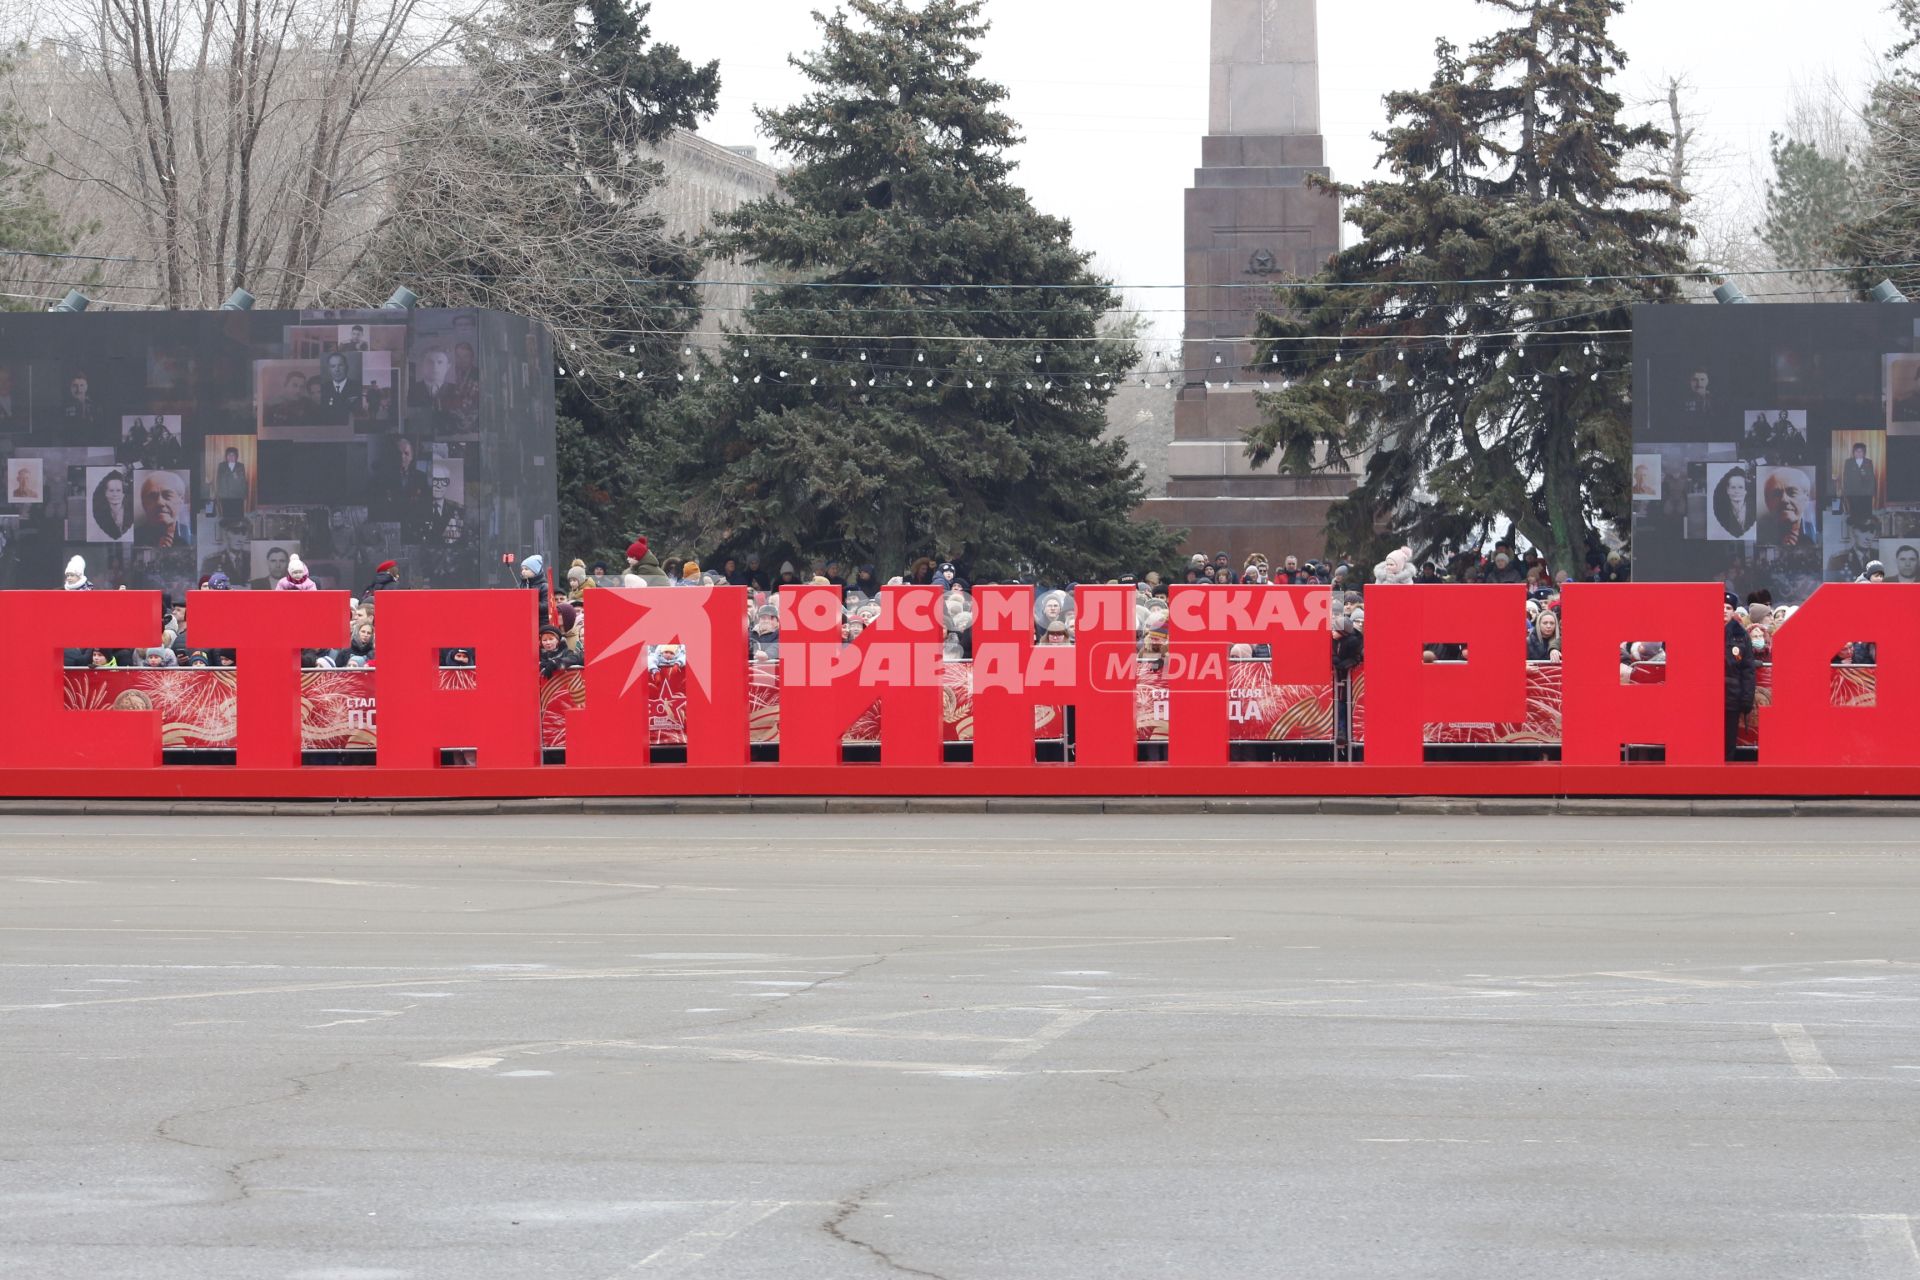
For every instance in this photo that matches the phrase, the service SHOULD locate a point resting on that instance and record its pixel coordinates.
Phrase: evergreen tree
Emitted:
(27, 221)
(532, 189)
(1810, 200)
(1481, 407)
(948, 397)
(1885, 228)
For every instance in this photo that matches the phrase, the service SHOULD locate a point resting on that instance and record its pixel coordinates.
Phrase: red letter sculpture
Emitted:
(1095, 675)
(500, 716)
(826, 684)
(266, 631)
(41, 733)
(1202, 623)
(1599, 715)
(1802, 727)
(1405, 695)
(710, 623)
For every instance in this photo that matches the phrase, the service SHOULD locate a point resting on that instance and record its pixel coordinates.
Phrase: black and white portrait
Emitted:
(1731, 502)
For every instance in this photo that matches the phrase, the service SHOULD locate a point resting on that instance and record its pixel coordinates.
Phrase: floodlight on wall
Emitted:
(1730, 294)
(1887, 291)
(74, 303)
(238, 300)
(403, 299)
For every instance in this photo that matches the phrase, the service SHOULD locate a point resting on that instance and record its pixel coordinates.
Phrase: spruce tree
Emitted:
(948, 395)
(1885, 229)
(1477, 406)
(1810, 200)
(27, 221)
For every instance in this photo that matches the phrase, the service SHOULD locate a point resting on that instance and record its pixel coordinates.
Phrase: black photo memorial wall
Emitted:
(1776, 447)
(163, 447)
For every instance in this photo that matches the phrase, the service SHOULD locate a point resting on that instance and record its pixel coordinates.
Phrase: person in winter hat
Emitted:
(1739, 673)
(385, 574)
(555, 656)
(296, 579)
(76, 580)
(533, 574)
(576, 579)
(216, 657)
(1396, 568)
(643, 569)
(1349, 652)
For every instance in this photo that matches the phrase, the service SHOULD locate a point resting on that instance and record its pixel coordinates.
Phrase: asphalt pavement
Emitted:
(959, 1046)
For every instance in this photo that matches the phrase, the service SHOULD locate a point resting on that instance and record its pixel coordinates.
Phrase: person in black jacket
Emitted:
(555, 656)
(1738, 654)
(1543, 642)
(1349, 651)
(385, 575)
(359, 650)
(533, 576)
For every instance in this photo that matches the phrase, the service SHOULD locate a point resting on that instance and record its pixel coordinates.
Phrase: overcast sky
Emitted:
(1112, 94)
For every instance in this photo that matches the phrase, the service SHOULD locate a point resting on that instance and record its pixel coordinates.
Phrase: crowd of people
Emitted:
(1054, 610)
(562, 608)
(175, 649)
(1750, 624)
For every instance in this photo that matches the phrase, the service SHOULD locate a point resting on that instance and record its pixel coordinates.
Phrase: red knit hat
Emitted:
(386, 566)
(638, 549)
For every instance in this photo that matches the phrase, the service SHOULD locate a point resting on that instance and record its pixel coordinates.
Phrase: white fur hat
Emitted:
(296, 568)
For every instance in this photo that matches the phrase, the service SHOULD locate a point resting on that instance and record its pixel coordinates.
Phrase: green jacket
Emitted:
(648, 570)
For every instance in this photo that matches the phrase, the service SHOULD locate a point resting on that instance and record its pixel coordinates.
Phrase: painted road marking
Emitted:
(1803, 1052)
(1046, 1035)
(1678, 980)
(356, 884)
(685, 1250)
(473, 1063)
(1890, 1244)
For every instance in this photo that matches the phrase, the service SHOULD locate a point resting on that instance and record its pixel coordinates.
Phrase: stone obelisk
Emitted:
(1251, 222)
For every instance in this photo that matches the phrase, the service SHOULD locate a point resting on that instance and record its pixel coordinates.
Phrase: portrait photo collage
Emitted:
(1776, 447)
(163, 448)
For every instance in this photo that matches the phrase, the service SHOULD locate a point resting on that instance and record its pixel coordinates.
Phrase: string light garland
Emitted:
(1549, 331)
(880, 371)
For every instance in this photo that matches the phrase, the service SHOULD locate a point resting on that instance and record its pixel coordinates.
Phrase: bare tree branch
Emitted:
(228, 143)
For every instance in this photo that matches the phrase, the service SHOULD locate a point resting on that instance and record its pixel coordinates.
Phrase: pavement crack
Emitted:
(774, 1005)
(236, 1172)
(847, 1209)
(1156, 1098)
